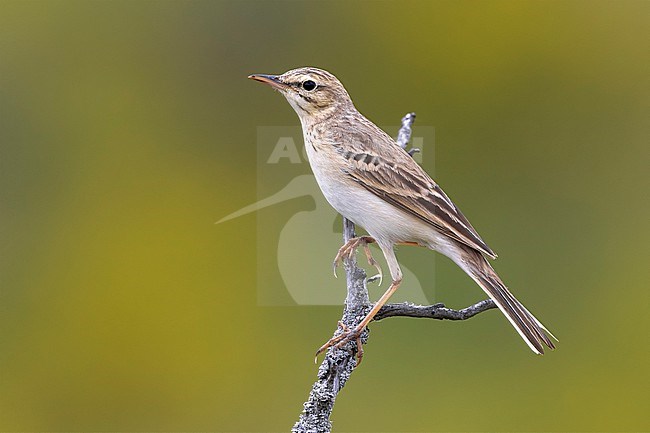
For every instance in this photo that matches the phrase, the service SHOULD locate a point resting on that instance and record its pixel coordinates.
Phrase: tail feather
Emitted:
(541, 325)
(527, 325)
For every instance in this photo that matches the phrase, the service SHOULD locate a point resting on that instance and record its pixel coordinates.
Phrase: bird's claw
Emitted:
(345, 252)
(348, 250)
(342, 339)
(372, 262)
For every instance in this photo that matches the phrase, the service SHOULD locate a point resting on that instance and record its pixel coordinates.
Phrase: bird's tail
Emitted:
(531, 330)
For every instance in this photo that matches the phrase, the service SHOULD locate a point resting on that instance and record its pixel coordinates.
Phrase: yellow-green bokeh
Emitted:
(128, 128)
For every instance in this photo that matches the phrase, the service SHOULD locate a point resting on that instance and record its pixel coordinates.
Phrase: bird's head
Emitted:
(313, 93)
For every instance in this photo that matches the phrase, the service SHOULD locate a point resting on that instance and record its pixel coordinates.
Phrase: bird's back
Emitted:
(367, 155)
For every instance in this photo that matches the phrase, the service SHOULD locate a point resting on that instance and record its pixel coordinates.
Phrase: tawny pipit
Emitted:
(373, 182)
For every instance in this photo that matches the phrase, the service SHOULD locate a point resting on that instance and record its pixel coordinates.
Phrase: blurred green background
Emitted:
(128, 128)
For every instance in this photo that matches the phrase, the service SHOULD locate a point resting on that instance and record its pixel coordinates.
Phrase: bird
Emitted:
(370, 180)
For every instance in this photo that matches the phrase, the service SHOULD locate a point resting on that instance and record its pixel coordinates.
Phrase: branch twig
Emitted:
(436, 311)
(338, 365)
(404, 134)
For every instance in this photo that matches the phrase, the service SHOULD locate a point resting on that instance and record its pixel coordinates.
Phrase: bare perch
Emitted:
(338, 364)
(436, 311)
(404, 134)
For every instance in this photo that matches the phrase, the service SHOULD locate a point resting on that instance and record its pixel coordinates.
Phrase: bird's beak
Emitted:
(271, 80)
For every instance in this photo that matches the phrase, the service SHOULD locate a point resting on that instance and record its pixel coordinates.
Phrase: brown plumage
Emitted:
(373, 182)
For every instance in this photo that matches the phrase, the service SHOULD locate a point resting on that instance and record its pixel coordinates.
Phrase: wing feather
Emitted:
(403, 183)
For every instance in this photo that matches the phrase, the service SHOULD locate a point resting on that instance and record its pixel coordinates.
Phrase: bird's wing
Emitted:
(392, 175)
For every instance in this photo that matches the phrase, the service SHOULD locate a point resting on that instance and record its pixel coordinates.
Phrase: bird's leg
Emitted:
(350, 247)
(355, 334)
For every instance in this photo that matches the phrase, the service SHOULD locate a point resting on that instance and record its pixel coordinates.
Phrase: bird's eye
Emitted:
(308, 85)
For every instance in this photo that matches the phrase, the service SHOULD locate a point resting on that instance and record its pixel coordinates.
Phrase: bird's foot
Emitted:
(350, 247)
(343, 338)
